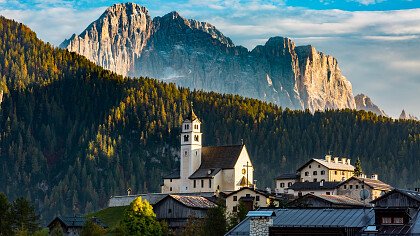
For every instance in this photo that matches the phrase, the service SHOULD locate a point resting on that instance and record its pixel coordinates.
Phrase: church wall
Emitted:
(228, 180)
(239, 168)
(167, 185)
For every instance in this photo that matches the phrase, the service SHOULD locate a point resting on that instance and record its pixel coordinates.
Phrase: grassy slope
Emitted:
(110, 216)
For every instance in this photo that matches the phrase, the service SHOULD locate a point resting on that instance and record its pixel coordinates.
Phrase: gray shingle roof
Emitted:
(175, 174)
(288, 176)
(375, 184)
(76, 221)
(194, 201)
(216, 159)
(314, 218)
(313, 185)
(330, 165)
(339, 200)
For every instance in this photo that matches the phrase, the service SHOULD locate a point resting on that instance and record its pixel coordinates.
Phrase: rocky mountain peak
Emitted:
(406, 116)
(364, 102)
(195, 54)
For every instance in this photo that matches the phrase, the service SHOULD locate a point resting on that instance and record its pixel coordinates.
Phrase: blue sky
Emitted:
(375, 41)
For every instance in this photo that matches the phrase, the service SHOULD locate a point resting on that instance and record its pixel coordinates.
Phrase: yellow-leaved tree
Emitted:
(139, 219)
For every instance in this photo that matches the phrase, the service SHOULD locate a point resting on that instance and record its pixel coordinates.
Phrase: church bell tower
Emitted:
(190, 149)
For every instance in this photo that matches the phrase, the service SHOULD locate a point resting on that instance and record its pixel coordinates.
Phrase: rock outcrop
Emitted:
(195, 54)
(406, 116)
(364, 102)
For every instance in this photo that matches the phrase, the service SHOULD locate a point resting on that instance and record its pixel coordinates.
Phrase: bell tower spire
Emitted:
(190, 157)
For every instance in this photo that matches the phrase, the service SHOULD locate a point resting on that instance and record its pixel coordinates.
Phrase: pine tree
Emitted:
(358, 167)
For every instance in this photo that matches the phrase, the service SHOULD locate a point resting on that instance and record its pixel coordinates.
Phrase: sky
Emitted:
(376, 42)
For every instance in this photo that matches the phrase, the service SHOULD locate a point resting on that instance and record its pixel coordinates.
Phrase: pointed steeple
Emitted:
(192, 116)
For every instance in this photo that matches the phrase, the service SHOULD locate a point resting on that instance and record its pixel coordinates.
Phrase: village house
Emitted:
(208, 169)
(71, 225)
(352, 187)
(251, 199)
(299, 189)
(317, 170)
(177, 209)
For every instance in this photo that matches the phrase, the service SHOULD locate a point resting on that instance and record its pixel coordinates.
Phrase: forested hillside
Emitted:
(73, 134)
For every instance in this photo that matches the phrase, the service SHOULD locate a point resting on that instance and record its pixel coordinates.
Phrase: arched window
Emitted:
(196, 138)
(186, 138)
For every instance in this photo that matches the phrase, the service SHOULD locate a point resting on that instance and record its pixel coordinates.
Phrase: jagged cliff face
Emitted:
(196, 55)
(363, 102)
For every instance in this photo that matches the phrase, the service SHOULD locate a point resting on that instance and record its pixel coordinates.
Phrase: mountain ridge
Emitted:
(195, 54)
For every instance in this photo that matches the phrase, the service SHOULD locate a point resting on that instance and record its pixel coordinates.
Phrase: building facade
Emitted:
(353, 186)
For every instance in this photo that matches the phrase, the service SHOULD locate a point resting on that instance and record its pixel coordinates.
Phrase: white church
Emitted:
(208, 169)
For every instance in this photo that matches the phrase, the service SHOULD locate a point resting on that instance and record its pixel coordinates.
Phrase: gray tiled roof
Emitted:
(76, 221)
(288, 176)
(314, 218)
(175, 174)
(373, 183)
(216, 159)
(340, 200)
(194, 201)
(314, 185)
(330, 165)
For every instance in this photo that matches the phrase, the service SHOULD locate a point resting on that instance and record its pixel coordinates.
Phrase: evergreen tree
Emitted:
(215, 222)
(5, 216)
(92, 229)
(358, 167)
(24, 216)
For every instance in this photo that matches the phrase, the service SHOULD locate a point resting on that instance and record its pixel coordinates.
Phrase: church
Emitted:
(208, 169)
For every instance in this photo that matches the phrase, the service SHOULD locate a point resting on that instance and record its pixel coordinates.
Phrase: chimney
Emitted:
(374, 176)
(328, 158)
(344, 160)
(348, 161)
(260, 222)
(335, 159)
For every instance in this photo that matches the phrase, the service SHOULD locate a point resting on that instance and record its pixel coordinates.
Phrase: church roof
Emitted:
(192, 116)
(214, 159)
(175, 174)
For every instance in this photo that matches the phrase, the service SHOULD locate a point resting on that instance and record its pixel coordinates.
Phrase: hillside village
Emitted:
(334, 195)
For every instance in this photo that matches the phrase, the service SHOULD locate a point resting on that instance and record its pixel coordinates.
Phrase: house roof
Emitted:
(175, 174)
(194, 201)
(75, 221)
(409, 193)
(314, 218)
(373, 183)
(218, 157)
(330, 165)
(314, 185)
(249, 188)
(339, 200)
(288, 176)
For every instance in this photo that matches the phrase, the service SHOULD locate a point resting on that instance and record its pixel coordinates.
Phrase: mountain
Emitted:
(405, 116)
(364, 102)
(196, 55)
(73, 134)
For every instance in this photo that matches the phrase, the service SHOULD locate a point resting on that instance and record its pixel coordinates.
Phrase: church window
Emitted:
(257, 198)
(196, 138)
(186, 138)
(170, 189)
(196, 153)
(202, 183)
(281, 185)
(235, 198)
(209, 183)
(315, 172)
(195, 184)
